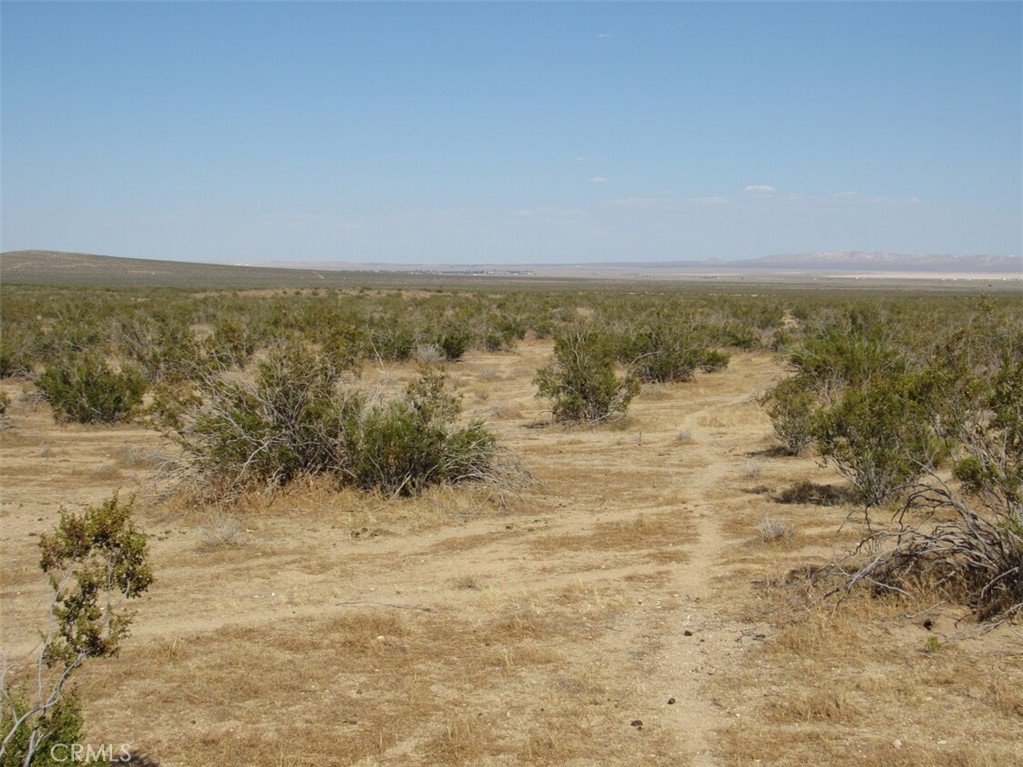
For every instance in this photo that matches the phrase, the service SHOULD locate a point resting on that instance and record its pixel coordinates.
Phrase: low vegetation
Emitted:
(582, 383)
(910, 404)
(87, 390)
(934, 431)
(95, 561)
(297, 418)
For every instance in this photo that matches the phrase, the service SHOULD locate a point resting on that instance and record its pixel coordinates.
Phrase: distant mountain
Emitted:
(817, 261)
(855, 260)
(40, 267)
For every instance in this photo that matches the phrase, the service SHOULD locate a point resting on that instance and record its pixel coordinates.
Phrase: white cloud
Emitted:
(604, 36)
(598, 180)
(759, 189)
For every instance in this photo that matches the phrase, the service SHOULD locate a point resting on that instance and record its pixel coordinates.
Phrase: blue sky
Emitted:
(510, 132)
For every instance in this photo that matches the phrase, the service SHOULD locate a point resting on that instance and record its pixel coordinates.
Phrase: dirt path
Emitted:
(582, 620)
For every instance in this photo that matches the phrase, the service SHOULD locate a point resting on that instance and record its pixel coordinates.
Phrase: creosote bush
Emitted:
(661, 351)
(878, 437)
(87, 390)
(581, 382)
(95, 561)
(297, 419)
(857, 399)
(792, 405)
(287, 423)
(405, 445)
(962, 535)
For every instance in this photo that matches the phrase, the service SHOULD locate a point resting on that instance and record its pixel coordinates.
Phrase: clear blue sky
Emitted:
(510, 132)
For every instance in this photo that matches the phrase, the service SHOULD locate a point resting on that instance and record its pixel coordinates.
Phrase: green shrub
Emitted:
(839, 358)
(344, 347)
(453, 342)
(59, 725)
(87, 390)
(232, 344)
(162, 348)
(792, 406)
(581, 382)
(965, 539)
(737, 334)
(713, 360)
(392, 340)
(661, 352)
(16, 352)
(289, 422)
(94, 561)
(295, 420)
(878, 436)
(406, 445)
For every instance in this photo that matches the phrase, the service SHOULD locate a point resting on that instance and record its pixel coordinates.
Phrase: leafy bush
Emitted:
(94, 561)
(288, 422)
(840, 358)
(294, 420)
(878, 437)
(392, 341)
(857, 400)
(31, 743)
(662, 352)
(966, 537)
(15, 352)
(581, 382)
(712, 360)
(453, 342)
(163, 349)
(87, 390)
(792, 405)
(403, 446)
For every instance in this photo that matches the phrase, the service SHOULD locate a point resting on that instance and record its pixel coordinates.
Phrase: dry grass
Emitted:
(772, 530)
(531, 622)
(220, 529)
(887, 691)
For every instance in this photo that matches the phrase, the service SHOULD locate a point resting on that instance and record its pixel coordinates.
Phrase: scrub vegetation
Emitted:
(854, 455)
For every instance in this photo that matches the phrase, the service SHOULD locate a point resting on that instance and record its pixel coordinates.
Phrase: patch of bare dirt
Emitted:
(630, 606)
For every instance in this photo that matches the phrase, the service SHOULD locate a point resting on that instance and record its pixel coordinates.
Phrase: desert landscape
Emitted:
(638, 590)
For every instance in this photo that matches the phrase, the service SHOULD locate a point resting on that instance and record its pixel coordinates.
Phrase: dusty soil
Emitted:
(631, 604)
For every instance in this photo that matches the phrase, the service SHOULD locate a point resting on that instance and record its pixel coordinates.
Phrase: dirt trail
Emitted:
(596, 592)
(701, 640)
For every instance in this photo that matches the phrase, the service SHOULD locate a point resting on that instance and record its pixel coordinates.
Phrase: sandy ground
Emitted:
(628, 605)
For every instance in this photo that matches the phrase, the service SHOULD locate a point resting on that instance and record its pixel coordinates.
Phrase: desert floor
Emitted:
(637, 601)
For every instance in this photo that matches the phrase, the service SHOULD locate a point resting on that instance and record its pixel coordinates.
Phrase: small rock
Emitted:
(687, 633)
(897, 743)
(637, 723)
(671, 701)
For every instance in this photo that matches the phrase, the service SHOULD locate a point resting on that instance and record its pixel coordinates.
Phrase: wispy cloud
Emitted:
(759, 189)
(598, 180)
(604, 36)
